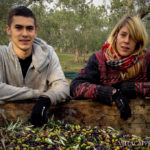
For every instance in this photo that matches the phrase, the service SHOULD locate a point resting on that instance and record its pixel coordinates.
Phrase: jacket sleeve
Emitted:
(134, 89)
(12, 93)
(58, 89)
(143, 88)
(86, 85)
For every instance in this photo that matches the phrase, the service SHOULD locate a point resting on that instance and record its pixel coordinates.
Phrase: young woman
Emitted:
(120, 71)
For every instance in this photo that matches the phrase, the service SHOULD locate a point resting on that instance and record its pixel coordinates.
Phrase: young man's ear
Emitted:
(8, 30)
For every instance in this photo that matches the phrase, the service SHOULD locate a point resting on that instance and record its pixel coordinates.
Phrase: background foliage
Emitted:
(76, 26)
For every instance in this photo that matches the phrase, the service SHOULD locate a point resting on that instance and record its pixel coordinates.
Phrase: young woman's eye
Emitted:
(123, 35)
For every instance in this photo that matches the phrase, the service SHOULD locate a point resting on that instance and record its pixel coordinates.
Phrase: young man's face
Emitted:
(22, 33)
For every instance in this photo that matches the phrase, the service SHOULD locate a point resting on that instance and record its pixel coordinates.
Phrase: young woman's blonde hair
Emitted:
(138, 34)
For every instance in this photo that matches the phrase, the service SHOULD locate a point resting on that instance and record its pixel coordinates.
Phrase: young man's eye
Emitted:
(30, 28)
(18, 27)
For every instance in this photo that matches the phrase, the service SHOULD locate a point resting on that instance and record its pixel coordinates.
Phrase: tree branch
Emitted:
(30, 2)
(145, 12)
(89, 2)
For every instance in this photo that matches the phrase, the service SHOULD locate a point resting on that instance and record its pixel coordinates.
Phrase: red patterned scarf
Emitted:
(122, 63)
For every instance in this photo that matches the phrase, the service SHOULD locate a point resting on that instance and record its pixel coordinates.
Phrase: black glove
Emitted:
(40, 111)
(122, 104)
(127, 88)
(104, 95)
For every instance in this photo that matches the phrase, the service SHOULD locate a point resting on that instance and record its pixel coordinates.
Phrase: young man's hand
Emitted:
(40, 111)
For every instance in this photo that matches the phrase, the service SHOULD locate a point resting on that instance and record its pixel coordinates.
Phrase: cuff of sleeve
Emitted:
(104, 95)
(129, 89)
(45, 100)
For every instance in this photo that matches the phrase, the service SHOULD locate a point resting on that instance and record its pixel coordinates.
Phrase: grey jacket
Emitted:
(44, 76)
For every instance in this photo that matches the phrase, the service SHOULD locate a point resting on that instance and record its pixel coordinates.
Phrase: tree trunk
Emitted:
(86, 54)
(76, 58)
(61, 50)
(129, 3)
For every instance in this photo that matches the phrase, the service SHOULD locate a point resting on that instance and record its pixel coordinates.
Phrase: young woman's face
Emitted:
(125, 44)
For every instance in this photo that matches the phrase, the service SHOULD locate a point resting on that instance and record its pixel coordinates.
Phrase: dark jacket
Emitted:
(96, 80)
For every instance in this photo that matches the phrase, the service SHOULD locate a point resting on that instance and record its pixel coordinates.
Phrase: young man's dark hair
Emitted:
(20, 11)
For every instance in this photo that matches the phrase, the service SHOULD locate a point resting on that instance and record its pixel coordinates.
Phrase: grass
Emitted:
(67, 62)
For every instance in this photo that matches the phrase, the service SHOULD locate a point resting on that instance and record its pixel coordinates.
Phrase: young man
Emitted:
(29, 68)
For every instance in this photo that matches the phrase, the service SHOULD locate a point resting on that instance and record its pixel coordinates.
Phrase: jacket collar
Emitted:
(40, 53)
(40, 56)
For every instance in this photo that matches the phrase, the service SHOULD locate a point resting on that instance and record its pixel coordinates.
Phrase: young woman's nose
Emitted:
(127, 39)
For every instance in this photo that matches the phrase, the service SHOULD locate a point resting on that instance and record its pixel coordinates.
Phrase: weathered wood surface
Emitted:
(86, 112)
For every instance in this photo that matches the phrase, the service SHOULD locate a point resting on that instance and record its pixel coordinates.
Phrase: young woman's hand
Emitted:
(123, 104)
